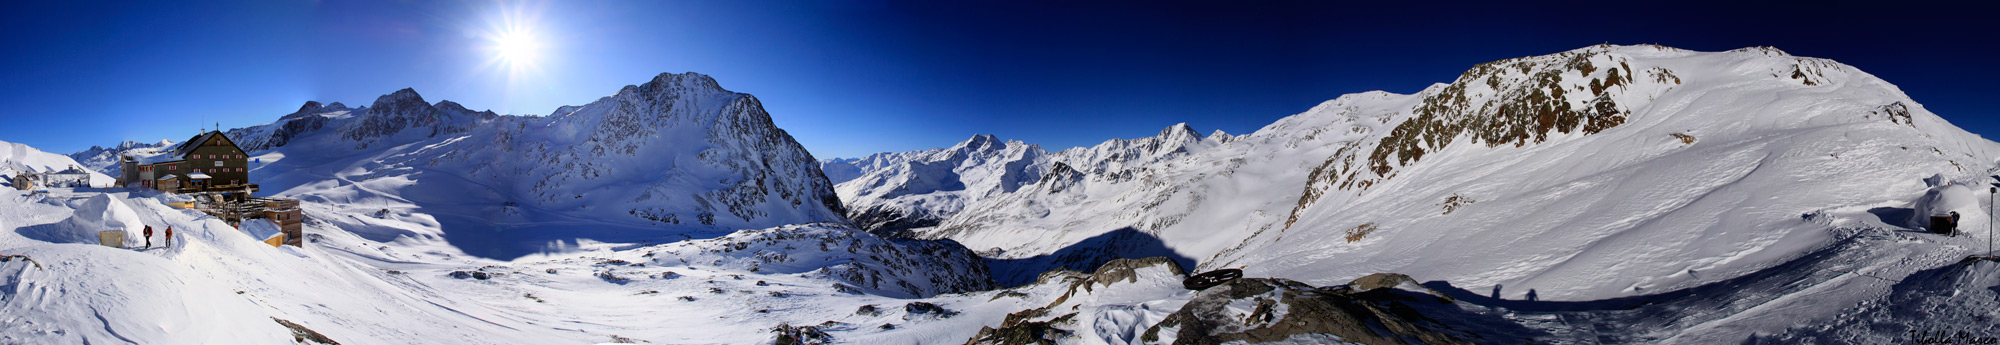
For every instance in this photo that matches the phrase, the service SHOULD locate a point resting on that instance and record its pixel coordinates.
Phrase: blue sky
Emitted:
(849, 78)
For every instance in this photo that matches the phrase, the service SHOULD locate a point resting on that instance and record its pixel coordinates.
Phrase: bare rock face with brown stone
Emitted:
(1055, 322)
(1377, 309)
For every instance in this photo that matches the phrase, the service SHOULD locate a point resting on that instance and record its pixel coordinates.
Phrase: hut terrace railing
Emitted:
(247, 187)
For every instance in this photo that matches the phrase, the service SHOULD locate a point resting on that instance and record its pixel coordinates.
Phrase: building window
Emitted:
(173, 168)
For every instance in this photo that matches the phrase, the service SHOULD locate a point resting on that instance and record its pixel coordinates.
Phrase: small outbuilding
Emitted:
(24, 180)
(1942, 207)
(73, 177)
(264, 230)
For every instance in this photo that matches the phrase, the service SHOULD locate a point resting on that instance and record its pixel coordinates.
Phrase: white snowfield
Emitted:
(217, 285)
(16, 158)
(1747, 196)
(1630, 209)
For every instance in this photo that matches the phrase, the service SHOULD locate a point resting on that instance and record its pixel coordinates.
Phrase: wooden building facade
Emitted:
(209, 162)
(213, 170)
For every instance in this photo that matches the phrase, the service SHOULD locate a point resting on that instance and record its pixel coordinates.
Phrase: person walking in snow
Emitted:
(149, 237)
(1954, 223)
(170, 237)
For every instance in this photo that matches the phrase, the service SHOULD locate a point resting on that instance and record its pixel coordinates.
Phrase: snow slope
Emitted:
(895, 192)
(1600, 172)
(105, 159)
(1747, 196)
(675, 155)
(16, 158)
(220, 285)
(916, 189)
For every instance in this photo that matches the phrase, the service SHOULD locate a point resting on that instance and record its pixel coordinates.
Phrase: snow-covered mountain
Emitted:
(673, 155)
(429, 223)
(1546, 173)
(105, 159)
(1604, 195)
(893, 192)
(17, 158)
(916, 189)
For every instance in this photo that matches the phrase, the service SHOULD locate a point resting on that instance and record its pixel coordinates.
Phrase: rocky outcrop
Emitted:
(1043, 325)
(1281, 309)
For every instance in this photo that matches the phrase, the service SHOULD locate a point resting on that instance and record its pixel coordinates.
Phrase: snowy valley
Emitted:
(1603, 195)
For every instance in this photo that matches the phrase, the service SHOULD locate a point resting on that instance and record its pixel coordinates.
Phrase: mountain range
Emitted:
(1607, 194)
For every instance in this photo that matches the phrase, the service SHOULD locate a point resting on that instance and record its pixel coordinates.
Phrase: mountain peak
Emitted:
(979, 140)
(449, 105)
(310, 107)
(404, 98)
(1180, 130)
(1220, 135)
(405, 93)
(690, 80)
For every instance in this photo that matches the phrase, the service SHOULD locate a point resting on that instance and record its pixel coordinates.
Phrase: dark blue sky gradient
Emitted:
(857, 77)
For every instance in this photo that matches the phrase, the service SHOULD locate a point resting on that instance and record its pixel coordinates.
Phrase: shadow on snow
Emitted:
(1085, 256)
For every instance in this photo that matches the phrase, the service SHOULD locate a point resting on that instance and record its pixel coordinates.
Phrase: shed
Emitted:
(264, 230)
(168, 183)
(113, 238)
(24, 180)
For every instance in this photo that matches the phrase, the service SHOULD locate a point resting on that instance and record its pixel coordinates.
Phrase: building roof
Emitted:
(169, 177)
(178, 152)
(197, 176)
(187, 147)
(73, 170)
(152, 157)
(261, 229)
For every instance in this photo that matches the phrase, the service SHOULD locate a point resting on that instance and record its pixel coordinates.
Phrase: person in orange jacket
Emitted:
(170, 237)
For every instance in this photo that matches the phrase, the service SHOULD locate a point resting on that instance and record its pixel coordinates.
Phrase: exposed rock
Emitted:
(926, 309)
(1126, 270)
(1018, 330)
(302, 334)
(1379, 281)
(1023, 327)
(800, 335)
(1280, 309)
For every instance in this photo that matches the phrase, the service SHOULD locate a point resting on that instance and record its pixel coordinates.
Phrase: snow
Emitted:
(1564, 215)
(260, 229)
(18, 158)
(1736, 202)
(360, 291)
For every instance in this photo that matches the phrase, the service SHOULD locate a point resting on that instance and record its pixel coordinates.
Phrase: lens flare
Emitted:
(517, 49)
(515, 43)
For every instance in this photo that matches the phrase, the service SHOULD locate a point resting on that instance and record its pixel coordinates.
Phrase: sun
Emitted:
(516, 46)
(518, 49)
